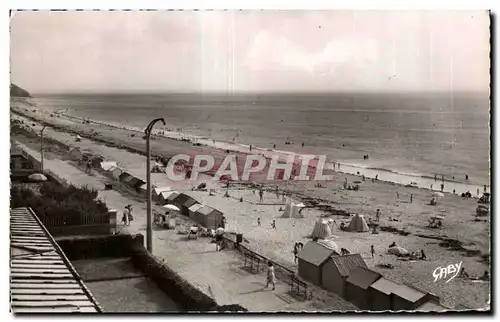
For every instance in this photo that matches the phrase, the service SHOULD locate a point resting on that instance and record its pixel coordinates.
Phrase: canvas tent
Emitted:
(292, 211)
(321, 230)
(330, 244)
(358, 224)
(208, 217)
(106, 165)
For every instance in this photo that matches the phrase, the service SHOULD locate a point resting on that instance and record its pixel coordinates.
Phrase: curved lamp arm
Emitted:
(149, 128)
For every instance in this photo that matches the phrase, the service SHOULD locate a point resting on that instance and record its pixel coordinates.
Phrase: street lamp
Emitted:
(149, 228)
(41, 147)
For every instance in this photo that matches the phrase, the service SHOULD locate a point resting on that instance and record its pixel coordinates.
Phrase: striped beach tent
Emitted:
(321, 230)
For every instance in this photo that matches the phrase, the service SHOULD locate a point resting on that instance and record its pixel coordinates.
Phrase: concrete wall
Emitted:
(184, 294)
(332, 280)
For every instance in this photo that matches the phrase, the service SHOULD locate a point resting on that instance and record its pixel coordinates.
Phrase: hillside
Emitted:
(17, 91)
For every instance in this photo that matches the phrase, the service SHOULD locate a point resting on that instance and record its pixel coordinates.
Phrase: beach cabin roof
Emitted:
(348, 263)
(196, 207)
(143, 187)
(106, 165)
(363, 277)
(315, 253)
(385, 286)
(166, 194)
(171, 195)
(184, 200)
(125, 176)
(408, 293)
(206, 211)
(432, 307)
(158, 190)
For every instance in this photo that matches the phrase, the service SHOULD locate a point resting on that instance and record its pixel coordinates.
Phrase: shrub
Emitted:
(66, 205)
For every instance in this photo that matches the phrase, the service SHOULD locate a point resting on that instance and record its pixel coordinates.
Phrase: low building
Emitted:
(311, 260)
(337, 269)
(208, 217)
(357, 287)
(183, 202)
(381, 294)
(406, 297)
(42, 280)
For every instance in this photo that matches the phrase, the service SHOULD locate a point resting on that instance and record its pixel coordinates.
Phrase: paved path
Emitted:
(218, 274)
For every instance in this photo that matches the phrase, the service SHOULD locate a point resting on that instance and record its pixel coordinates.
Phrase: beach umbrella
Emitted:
(37, 177)
(171, 207)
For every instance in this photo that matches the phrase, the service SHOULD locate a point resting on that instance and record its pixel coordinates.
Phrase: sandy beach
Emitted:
(393, 200)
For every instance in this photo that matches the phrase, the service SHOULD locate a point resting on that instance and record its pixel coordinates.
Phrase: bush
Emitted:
(67, 205)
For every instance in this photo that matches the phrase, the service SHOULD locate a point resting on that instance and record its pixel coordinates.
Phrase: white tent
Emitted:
(321, 230)
(292, 211)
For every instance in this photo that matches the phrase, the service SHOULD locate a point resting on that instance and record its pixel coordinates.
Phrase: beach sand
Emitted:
(277, 244)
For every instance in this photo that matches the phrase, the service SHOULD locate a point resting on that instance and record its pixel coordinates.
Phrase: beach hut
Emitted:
(311, 260)
(357, 287)
(381, 294)
(158, 190)
(96, 161)
(208, 217)
(407, 297)
(106, 165)
(166, 197)
(115, 172)
(358, 224)
(75, 154)
(183, 202)
(321, 230)
(192, 210)
(125, 177)
(337, 269)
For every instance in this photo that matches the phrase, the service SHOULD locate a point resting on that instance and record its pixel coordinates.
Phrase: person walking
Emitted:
(271, 278)
(372, 250)
(219, 236)
(258, 222)
(125, 217)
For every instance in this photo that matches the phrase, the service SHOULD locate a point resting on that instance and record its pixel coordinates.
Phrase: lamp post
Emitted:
(149, 228)
(41, 147)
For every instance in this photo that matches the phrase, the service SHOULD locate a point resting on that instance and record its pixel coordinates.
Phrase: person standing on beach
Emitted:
(478, 192)
(219, 234)
(442, 187)
(273, 224)
(271, 279)
(411, 198)
(377, 215)
(295, 252)
(261, 194)
(258, 222)
(431, 186)
(372, 250)
(125, 217)
(466, 177)
(89, 167)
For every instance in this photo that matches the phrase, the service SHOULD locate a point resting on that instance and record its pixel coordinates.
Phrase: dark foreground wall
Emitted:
(172, 284)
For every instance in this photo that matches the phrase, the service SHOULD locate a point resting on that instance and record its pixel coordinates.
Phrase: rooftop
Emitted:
(363, 277)
(42, 280)
(346, 264)
(315, 253)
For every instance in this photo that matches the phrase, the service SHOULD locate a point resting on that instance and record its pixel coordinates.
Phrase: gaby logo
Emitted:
(444, 272)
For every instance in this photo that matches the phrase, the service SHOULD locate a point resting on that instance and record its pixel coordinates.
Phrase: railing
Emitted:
(281, 272)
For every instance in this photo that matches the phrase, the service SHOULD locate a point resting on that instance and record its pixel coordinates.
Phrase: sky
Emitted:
(250, 51)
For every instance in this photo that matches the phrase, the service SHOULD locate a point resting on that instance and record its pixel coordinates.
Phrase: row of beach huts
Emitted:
(203, 215)
(348, 276)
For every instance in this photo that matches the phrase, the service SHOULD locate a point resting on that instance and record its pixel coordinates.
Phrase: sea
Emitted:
(404, 135)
